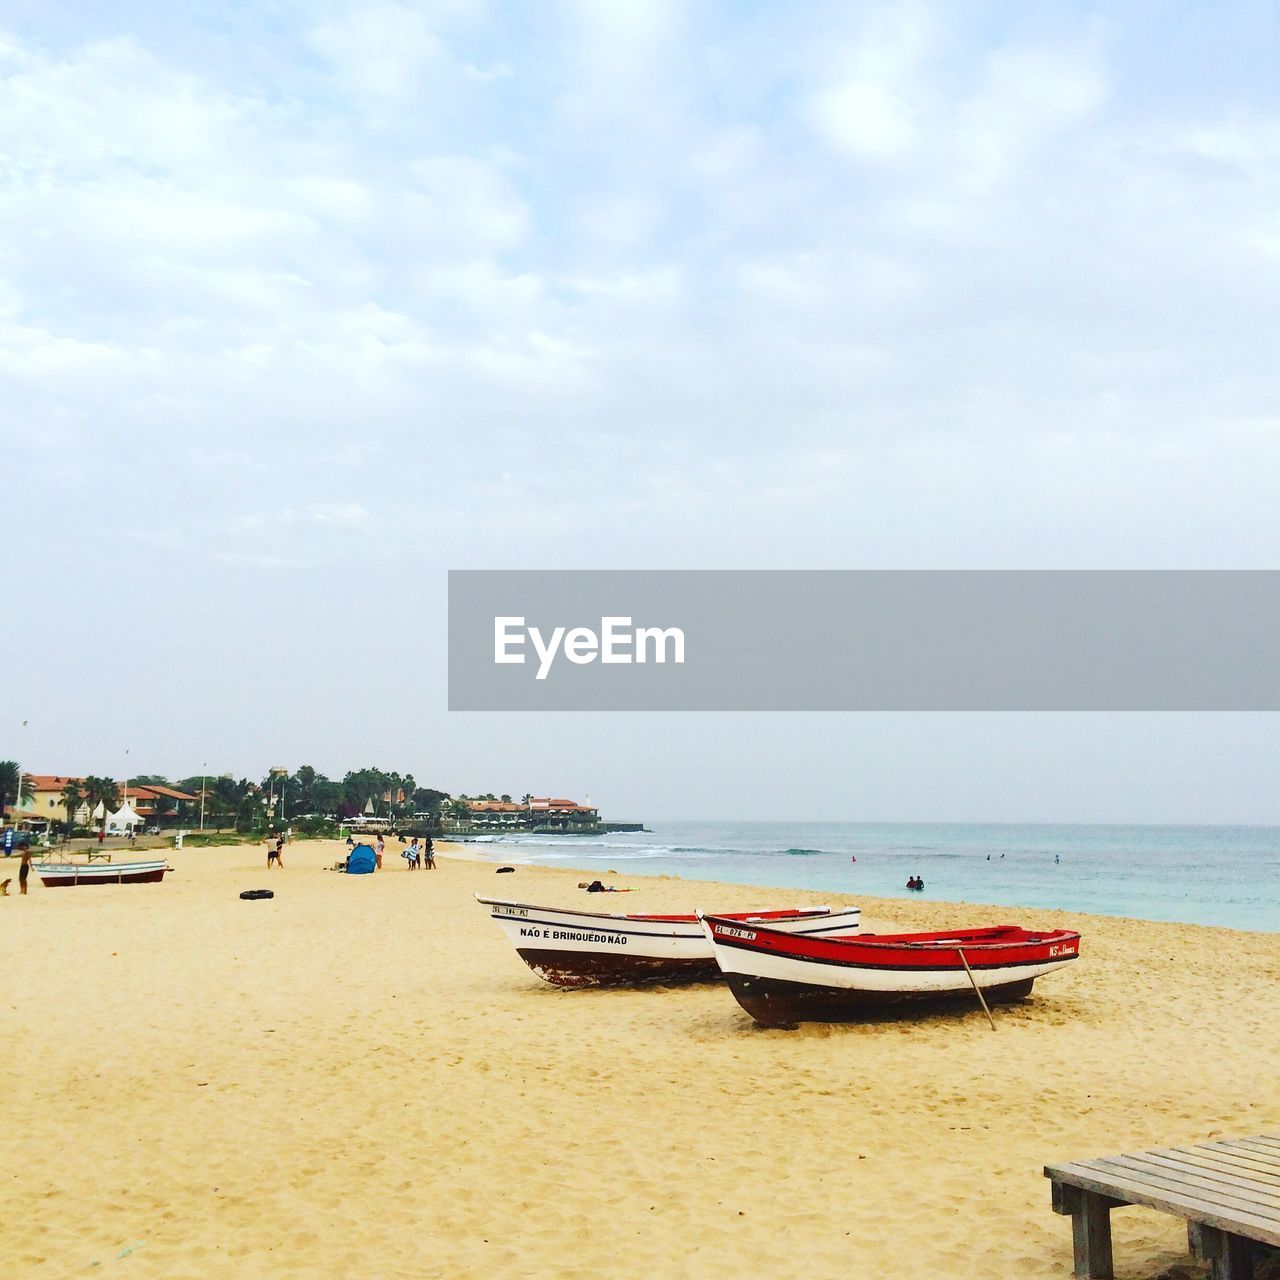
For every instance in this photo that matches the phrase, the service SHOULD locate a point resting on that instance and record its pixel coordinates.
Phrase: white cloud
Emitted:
(875, 106)
(1028, 96)
(867, 120)
(379, 49)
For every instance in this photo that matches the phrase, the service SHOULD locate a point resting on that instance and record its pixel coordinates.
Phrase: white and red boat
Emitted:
(595, 948)
(780, 979)
(56, 874)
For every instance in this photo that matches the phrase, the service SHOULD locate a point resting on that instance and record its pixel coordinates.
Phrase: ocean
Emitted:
(1227, 876)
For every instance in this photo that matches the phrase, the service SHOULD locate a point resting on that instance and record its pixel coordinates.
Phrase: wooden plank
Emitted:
(1254, 1175)
(1222, 1200)
(1262, 1174)
(1225, 1160)
(1268, 1154)
(1232, 1146)
(1134, 1190)
(1211, 1180)
(1260, 1148)
(1208, 1180)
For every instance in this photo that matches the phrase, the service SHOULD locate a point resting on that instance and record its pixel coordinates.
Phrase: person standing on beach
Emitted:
(429, 853)
(24, 870)
(377, 853)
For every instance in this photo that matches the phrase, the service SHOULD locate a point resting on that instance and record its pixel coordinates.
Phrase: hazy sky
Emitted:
(302, 305)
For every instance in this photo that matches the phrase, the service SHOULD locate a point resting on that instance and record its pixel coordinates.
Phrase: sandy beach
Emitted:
(359, 1078)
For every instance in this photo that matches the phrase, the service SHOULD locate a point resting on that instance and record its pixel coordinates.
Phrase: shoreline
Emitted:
(452, 851)
(360, 1077)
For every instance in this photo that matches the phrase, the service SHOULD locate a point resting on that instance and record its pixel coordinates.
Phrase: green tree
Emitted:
(101, 791)
(15, 786)
(72, 798)
(163, 807)
(427, 800)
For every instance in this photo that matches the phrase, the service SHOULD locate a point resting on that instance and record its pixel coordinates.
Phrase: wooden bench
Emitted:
(1228, 1192)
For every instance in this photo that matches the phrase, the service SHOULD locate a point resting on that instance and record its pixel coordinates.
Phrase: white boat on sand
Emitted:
(572, 948)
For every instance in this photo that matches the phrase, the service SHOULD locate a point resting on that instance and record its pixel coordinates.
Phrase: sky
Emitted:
(303, 305)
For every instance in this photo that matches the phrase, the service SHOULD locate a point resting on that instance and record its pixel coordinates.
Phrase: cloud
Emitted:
(378, 50)
(1028, 95)
(621, 239)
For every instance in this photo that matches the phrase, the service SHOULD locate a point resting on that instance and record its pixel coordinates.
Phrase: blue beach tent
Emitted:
(361, 861)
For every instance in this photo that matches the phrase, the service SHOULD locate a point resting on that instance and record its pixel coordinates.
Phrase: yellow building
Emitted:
(46, 801)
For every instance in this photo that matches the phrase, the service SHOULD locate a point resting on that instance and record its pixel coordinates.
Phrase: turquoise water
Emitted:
(1203, 875)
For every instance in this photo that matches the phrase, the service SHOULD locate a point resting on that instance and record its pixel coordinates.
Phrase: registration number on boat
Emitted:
(730, 932)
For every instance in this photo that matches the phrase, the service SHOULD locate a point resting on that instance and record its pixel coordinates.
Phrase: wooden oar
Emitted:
(976, 989)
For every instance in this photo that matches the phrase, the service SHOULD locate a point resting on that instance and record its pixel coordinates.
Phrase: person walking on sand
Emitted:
(275, 853)
(24, 870)
(377, 852)
(429, 854)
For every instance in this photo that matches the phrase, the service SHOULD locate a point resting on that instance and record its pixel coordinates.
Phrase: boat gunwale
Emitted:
(798, 913)
(910, 942)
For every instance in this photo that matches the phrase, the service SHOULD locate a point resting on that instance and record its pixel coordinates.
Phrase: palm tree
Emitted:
(15, 786)
(101, 791)
(72, 799)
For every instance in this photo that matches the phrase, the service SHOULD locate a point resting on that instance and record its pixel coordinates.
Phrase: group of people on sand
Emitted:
(418, 854)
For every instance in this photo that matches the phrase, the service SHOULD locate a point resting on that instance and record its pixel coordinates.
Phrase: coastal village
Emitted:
(49, 806)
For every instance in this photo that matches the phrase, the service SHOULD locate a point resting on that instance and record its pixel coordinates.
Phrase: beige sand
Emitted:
(361, 1079)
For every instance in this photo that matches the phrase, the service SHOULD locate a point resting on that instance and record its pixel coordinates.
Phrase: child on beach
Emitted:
(24, 870)
(377, 853)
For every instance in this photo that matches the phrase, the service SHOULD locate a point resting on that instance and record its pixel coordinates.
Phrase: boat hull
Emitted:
(774, 1003)
(590, 949)
(604, 969)
(781, 980)
(71, 875)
